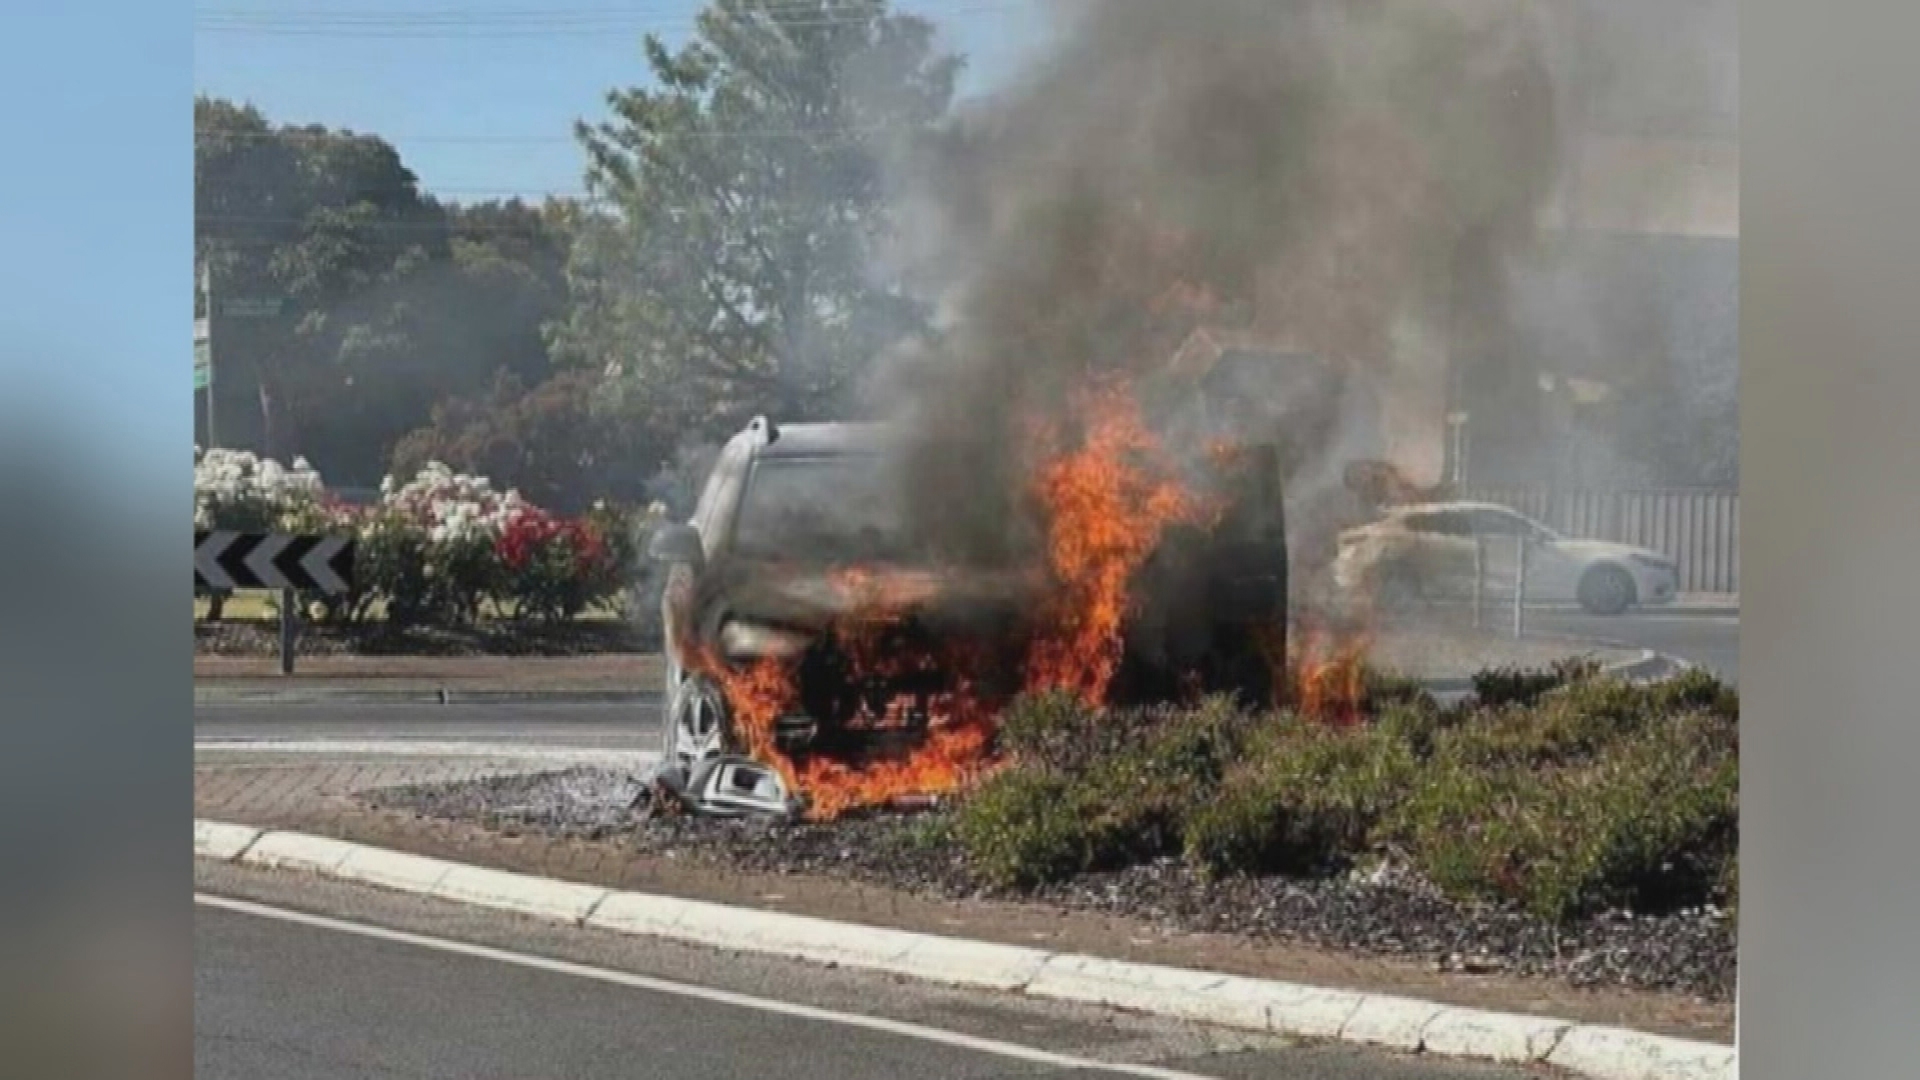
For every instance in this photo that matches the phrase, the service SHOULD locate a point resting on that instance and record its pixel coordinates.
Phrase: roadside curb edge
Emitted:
(1269, 1006)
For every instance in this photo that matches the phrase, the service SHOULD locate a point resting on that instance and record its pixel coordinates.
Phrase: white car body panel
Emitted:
(1443, 563)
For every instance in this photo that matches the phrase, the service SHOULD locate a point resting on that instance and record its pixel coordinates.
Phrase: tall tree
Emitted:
(390, 301)
(735, 269)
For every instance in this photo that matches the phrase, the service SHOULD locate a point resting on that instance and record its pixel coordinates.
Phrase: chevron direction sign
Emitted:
(235, 560)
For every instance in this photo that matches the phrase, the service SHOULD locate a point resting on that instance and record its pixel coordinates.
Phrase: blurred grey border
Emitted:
(95, 776)
(95, 409)
(1830, 381)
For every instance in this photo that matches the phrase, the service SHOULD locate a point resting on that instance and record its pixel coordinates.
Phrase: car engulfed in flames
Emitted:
(860, 666)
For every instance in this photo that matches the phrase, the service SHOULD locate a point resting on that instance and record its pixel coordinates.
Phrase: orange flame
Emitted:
(1108, 502)
(1328, 679)
(959, 733)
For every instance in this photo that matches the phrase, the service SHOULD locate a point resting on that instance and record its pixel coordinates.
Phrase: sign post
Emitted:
(230, 560)
(1520, 588)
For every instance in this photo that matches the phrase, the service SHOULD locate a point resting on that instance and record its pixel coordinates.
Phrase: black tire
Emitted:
(1607, 591)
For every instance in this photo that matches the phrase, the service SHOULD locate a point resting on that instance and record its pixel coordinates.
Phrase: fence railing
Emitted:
(1698, 529)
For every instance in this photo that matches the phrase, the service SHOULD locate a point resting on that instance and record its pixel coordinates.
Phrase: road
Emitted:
(623, 727)
(360, 983)
(1709, 640)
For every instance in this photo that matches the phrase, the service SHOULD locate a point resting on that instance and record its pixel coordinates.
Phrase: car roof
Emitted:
(815, 440)
(1406, 509)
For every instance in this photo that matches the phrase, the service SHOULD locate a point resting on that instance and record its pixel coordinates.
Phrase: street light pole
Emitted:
(204, 330)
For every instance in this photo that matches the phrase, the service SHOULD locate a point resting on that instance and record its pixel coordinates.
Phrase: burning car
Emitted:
(814, 625)
(1428, 552)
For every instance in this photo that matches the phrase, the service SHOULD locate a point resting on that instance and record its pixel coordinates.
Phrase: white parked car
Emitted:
(1426, 553)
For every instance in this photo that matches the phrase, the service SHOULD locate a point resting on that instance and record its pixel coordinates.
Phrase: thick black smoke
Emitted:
(1334, 181)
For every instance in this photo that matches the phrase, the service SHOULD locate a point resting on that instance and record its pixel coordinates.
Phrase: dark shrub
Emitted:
(1306, 799)
(1382, 690)
(1052, 729)
(1021, 828)
(1514, 686)
(1648, 822)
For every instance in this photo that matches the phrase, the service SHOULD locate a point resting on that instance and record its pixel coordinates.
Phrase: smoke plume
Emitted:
(1327, 187)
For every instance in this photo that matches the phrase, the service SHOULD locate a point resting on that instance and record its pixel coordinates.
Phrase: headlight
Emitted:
(754, 641)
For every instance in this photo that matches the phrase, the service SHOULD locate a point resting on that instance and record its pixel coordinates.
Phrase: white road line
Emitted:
(721, 997)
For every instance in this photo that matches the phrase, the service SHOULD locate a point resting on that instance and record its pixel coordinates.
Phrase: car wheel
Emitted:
(695, 727)
(1606, 590)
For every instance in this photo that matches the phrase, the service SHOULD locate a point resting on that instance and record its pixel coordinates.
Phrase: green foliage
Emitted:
(390, 571)
(1382, 690)
(738, 275)
(558, 443)
(1022, 828)
(1513, 686)
(1119, 786)
(389, 301)
(1306, 799)
(1598, 793)
(1648, 821)
(1050, 729)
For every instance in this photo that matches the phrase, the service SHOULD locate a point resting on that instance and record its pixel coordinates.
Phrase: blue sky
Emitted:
(480, 97)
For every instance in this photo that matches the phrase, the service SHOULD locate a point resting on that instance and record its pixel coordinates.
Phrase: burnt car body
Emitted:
(800, 528)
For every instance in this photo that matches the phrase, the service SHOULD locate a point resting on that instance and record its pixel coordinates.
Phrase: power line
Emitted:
(763, 133)
(454, 25)
(668, 12)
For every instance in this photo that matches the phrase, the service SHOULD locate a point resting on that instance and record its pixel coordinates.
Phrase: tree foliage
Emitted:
(389, 300)
(736, 271)
(559, 444)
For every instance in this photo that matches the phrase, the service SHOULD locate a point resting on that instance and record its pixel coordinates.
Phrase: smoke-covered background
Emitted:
(1492, 243)
(1355, 214)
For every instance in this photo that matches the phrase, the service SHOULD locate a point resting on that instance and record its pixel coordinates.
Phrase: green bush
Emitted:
(1514, 686)
(1117, 786)
(1021, 828)
(1381, 690)
(1051, 729)
(1592, 793)
(1646, 822)
(1137, 801)
(1306, 799)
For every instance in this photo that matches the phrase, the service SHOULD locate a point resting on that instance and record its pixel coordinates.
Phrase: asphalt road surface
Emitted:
(1709, 640)
(313, 980)
(622, 727)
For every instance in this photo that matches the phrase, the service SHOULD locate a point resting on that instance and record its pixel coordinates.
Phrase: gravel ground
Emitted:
(1385, 912)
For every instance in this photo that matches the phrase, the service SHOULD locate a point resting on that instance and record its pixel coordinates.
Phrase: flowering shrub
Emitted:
(238, 490)
(553, 568)
(438, 548)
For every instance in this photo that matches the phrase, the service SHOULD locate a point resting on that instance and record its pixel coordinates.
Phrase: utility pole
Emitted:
(203, 348)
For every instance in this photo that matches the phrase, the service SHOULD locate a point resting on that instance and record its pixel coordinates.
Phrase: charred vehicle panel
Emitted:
(798, 554)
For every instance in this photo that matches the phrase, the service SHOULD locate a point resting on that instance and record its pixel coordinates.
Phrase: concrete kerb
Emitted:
(1262, 1005)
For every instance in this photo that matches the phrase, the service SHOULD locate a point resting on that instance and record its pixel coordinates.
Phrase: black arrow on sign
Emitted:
(230, 560)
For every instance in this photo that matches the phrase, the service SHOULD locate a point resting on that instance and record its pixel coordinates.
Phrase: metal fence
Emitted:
(1699, 529)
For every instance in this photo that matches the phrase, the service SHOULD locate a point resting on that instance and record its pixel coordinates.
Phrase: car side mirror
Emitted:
(677, 544)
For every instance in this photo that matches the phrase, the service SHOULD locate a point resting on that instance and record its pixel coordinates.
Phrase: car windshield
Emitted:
(842, 507)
